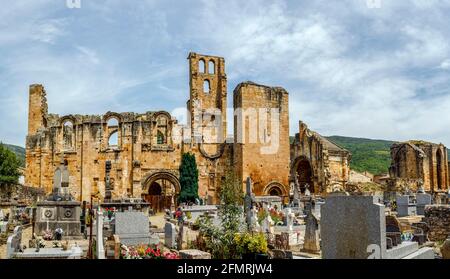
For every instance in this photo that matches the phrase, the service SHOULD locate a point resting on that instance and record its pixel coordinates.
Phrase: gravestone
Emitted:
(170, 235)
(311, 242)
(13, 243)
(267, 222)
(100, 249)
(405, 207)
(422, 201)
(254, 224)
(289, 219)
(296, 199)
(194, 255)
(316, 210)
(59, 210)
(352, 227)
(248, 202)
(307, 192)
(132, 227)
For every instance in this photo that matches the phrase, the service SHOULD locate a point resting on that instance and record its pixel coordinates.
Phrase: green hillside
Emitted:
(19, 151)
(367, 154)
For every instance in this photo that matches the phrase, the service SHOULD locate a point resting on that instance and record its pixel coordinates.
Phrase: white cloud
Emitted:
(350, 70)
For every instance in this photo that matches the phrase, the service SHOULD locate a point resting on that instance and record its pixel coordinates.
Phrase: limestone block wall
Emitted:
(438, 219)
(261, 148)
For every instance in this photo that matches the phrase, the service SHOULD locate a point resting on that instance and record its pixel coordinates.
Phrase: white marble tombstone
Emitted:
(100, 251)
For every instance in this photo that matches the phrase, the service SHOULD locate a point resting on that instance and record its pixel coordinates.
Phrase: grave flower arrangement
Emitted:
(277, 216)
(145, 251)
(262, 214)
(47, 235)
(109, 212)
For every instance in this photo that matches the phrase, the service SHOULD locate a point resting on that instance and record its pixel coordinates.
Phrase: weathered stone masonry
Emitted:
(144, 149)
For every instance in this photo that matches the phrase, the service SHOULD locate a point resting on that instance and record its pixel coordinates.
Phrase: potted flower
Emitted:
(251, 247)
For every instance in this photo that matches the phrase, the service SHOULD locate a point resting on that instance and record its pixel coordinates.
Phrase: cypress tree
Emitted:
(188, 178)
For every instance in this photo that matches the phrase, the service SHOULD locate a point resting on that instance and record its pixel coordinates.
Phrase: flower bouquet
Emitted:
(145, 251)
(48, 235)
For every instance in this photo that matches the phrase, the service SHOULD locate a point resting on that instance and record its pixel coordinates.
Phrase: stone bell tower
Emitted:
(208, 98)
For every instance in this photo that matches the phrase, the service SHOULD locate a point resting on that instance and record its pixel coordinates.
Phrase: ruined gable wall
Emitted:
(272, 167)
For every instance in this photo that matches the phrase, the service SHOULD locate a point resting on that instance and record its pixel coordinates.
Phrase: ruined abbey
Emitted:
(140, 153)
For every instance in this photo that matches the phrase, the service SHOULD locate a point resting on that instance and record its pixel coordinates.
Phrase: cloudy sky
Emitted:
(352, 68)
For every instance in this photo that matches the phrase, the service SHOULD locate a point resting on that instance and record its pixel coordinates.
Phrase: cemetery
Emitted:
(340, 225)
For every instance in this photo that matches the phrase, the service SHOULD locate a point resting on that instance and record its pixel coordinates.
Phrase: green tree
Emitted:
(188, 178)
(221, 239)
(9, 166)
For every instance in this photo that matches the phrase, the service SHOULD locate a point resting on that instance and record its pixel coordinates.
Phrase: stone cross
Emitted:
(289, 219)
(267, 223)
(100, 249)
(254, 224)
(56, 184)
(296, 200)
(13, 243)
(307, 192)
(311, 243)
(248, 202)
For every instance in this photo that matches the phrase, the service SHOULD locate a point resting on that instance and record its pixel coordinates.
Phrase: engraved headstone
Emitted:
(352, 227)
(132, 228)
(422, 201)
(170, 235)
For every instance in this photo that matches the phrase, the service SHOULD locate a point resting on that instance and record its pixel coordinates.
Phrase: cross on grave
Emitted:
(248, 203)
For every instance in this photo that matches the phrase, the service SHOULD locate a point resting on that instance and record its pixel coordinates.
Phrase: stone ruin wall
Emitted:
(16, 193)
(268, 167)
(417, 162)
(438, 219)
(329, 167)
(136, 157)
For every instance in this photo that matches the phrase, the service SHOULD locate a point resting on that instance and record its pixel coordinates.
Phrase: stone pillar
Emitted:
(100, 251)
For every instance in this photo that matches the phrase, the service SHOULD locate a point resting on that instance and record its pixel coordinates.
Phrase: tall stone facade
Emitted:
(262, 138)
(318, 162)
(140, 153)
(416, 163)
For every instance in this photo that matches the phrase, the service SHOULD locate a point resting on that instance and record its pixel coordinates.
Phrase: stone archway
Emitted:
(161, 190)
(302, 168)
(275, 189)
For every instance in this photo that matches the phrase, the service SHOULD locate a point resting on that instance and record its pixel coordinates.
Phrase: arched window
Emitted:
(160, 138)
(211, 68)
(206, 86)
(113, 140)
(162, 130)
(68, 135)
(113, 122)
(201, 66)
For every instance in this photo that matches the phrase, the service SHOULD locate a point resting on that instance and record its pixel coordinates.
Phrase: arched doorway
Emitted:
(161, 190)
(275, 188)
(275, 191)
(304, 175)
(439, 169)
